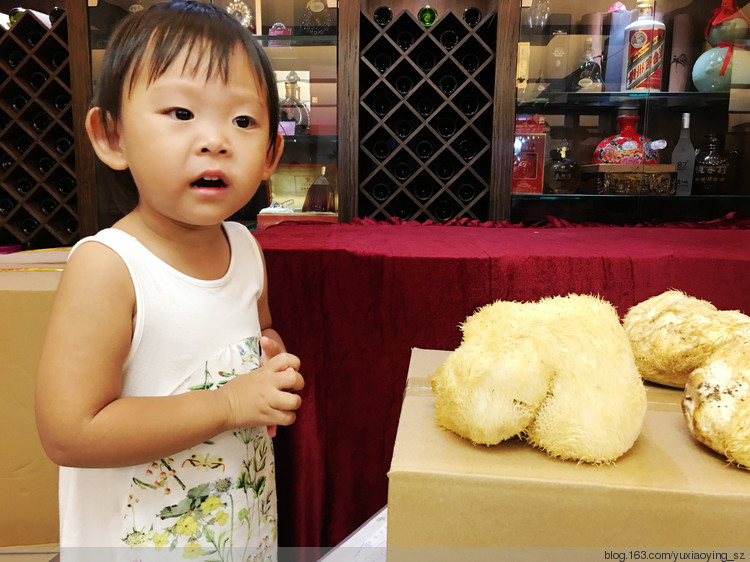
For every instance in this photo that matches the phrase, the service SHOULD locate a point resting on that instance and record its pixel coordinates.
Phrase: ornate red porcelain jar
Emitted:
(627, 146)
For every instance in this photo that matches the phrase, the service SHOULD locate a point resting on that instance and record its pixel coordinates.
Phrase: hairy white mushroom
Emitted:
(673, 334)
(558, 372)
(717, 402)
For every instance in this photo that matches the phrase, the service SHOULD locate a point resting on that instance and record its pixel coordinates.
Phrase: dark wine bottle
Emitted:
(65, 184)
(37, 80)
(382, 15)
(423, 191)
(448, 39)
(404, 84)
(71, 226)
(63, 144)
(14, 58)
(23, 143)
(404, 40)
(446, 127)
(444, 210)
(382, 62)
(402, 171)
(472, 16)
(6, 206)
(24, 185)
(45, 164)
(29, 225)
(33, 37)
(381, 105)
(381, 150)
(468, 105)
(470, 62)
(61, 101)
(425, 107)
(47, 206)
(58, 58)
(466, 192)
(18, 102)
(448, 84)
(40, 121)
(403, 128)
(381, 191)
(444, 169)
(424, 149)
(6, 161)
(466, 149)
(55, 14)
(426, 61)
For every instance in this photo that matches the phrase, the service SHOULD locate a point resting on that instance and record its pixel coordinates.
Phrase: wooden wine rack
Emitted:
(38, 184)
(425, 117)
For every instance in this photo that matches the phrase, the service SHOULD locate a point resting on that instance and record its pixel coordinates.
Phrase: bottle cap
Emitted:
(644, 4)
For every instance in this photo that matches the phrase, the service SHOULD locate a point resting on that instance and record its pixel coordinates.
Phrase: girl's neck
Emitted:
(199, 252)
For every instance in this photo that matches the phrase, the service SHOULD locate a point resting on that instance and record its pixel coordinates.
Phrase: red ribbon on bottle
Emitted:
(727, 10)
(730, 49)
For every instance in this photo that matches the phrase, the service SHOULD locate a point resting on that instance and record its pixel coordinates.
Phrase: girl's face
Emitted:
(197, 149)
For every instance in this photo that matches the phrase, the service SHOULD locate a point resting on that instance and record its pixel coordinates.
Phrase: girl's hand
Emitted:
(269, 348)
(265, 396)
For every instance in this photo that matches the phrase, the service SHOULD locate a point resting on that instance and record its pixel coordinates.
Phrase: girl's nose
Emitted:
(214, 146)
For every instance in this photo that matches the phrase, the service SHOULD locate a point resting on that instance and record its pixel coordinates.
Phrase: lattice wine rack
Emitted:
(38, 199)
(425, 116)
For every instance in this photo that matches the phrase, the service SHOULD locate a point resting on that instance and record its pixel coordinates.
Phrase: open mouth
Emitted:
(209, 181)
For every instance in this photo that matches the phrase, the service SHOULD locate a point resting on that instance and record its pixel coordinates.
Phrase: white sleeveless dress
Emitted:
(217, 500)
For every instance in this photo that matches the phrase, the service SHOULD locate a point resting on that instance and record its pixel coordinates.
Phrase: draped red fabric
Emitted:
(353, 299)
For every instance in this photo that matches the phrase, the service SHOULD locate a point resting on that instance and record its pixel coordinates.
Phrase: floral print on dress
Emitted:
(215, 501)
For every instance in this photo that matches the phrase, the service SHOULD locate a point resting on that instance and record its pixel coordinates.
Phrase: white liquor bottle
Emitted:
(644, 50)
(683, 157)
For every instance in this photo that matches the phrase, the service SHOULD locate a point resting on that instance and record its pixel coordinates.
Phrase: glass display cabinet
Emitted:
(560, 128)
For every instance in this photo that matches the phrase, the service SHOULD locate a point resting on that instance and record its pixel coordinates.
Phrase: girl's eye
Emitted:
(182, 114)
(243, 121)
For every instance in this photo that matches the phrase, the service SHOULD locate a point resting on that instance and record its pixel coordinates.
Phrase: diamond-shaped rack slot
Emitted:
(424, 145)
(426, 55)
(405, 32)
(403, 122)
(381, 55)
(471, 55)
(470, 101)
(447, 77)
(380, 101)
(403, 77)
(424, 100)
(449, 31)
(469, 144)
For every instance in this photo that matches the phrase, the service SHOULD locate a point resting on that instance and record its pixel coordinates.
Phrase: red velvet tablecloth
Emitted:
(351, 300)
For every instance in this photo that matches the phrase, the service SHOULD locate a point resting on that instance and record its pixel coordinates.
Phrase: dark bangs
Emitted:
(157, 35)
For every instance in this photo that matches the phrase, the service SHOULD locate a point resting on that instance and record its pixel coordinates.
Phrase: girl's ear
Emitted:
(106, 146)
(273, 161)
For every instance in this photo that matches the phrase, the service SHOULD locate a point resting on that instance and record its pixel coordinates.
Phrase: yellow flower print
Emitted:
(193, 550)
(210, 503)
(186, 525)
(221, 517)
(159, 539)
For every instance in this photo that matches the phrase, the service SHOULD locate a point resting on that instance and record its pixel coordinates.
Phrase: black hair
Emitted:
(163, 31)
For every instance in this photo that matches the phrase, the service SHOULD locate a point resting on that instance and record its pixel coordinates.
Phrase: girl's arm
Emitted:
(82, 419)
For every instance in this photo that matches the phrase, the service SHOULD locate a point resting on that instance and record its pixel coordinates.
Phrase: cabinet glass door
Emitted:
(603, 93)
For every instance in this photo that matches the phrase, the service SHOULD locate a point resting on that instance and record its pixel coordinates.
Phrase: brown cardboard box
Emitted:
(667, 491)
(28, 479)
